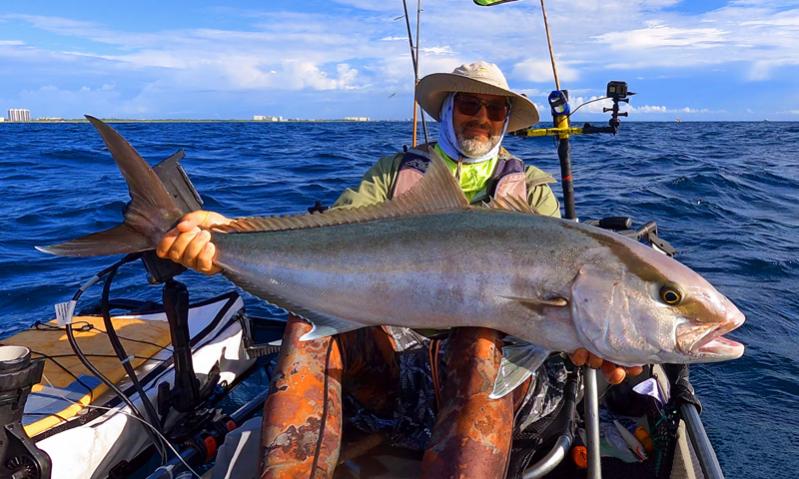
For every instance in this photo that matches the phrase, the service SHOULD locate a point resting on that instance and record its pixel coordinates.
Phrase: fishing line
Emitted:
(152, 428)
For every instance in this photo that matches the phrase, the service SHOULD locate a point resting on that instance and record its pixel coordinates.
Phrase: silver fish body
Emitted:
(428, 259)
(550, 282)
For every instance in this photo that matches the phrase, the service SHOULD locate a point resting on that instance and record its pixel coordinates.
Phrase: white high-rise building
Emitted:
(19, 114)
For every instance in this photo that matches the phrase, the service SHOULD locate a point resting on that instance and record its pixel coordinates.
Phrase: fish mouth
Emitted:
(712, 345)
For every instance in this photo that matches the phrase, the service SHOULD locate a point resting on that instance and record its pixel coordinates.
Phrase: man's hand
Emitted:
(189, 243)
(613, 373)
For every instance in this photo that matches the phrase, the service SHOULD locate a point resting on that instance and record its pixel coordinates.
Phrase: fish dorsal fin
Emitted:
(437, 191)
(511, 203)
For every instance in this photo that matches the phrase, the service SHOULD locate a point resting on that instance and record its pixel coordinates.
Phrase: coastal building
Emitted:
(267, 118)
(19, 114)
(356, 118)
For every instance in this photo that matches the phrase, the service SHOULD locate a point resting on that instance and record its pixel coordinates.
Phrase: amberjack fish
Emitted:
(428, 259)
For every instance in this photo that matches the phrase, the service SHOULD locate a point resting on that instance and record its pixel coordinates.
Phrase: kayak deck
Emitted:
(67, 385)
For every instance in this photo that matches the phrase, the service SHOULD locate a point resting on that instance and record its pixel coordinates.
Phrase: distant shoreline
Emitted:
(124, 120)
(575, 123)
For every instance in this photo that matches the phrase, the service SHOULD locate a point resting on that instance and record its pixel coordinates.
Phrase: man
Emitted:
(423, 390)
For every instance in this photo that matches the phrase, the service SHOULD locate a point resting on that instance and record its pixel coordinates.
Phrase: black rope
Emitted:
(83, 359)
(323, 421)
(116, 344)
(77, 379)
(87, 326)
(100, 355)
(86, 363)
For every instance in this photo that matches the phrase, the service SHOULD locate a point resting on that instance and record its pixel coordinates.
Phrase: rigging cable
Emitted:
(157, 442)
(143, 421)
(585, 103)
(119, 349)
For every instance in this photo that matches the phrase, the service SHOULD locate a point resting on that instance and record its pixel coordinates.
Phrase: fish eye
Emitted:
(671, 295)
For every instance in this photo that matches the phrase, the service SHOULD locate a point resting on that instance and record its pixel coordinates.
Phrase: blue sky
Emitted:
(694, 60)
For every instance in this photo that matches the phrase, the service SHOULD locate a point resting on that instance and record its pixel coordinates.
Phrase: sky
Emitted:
(324, 59)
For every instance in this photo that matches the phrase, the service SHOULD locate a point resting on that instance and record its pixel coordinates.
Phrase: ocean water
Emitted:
(724, 194)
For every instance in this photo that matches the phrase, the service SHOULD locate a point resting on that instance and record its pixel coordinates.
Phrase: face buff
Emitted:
(448, 140)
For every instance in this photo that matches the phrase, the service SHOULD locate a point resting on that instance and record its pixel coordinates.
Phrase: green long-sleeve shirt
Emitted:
(376, 186)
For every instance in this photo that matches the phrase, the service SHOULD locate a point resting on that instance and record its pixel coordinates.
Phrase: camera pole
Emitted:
(559, 104)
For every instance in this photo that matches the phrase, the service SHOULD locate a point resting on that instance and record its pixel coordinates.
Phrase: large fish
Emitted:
(429, 260)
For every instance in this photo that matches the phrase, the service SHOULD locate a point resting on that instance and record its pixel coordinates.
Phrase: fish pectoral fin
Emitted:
(520, 360)
(538, 303)
(324, 326)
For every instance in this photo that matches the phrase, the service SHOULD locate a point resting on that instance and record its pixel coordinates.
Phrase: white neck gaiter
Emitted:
(448, 140)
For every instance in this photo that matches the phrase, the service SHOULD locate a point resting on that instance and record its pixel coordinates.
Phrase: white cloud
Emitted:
(540, 71)
(645, 109)
(761, 36)
(357, 46)
(442, 50)
(650, 109)
(657, 35)
(372, 5)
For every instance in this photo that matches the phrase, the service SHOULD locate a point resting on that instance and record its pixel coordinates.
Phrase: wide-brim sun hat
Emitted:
(482, 78)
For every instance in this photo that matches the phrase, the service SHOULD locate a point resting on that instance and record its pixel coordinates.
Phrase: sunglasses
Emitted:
(470, 106)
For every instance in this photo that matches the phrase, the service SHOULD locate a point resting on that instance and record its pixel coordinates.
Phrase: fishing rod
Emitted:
(415, 61)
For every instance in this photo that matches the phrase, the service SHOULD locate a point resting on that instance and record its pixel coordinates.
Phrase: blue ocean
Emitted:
(724, 194)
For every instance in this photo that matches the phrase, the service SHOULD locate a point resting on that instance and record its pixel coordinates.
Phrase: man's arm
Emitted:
(375, 186)
(539, 194)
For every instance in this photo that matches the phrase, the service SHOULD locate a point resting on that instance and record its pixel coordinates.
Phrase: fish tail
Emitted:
(152, 210)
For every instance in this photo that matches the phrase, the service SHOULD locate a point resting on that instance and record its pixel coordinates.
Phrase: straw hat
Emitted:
(480, 77)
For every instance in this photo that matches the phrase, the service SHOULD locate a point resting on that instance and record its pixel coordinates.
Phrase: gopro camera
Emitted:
(617, 89)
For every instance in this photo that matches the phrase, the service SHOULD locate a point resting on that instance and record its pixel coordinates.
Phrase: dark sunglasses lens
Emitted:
(469, 106)
(497, 112)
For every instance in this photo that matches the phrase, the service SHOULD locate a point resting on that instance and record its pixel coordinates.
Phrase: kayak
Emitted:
(71, 406)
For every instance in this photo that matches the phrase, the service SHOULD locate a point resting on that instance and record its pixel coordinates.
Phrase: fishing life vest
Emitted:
(508, 179)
